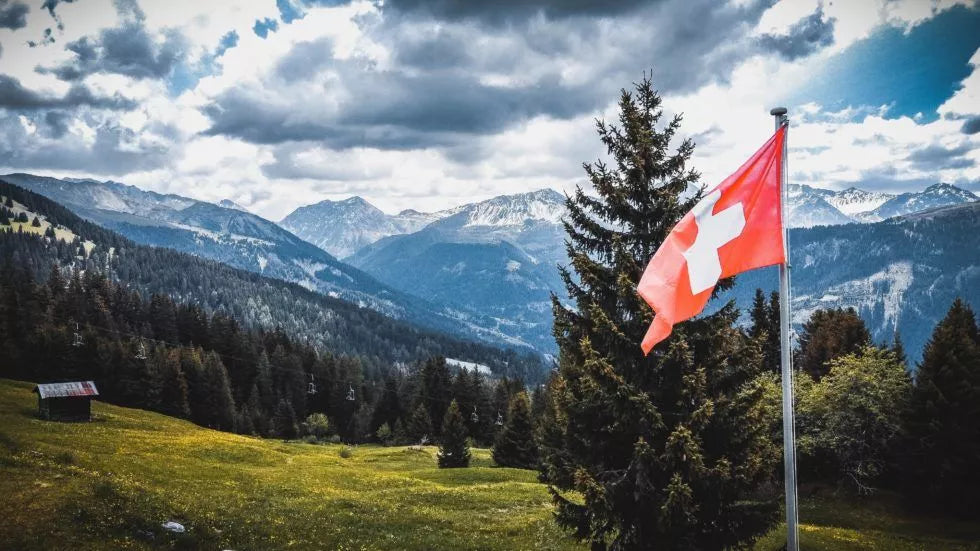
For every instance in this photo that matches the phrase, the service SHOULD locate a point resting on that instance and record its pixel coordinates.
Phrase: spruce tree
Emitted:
(284, 421)
(454, 451)
(35, 223)
(829, 334)
(943, 424)
(898, 349)
(434, 389)
(172, 384)
(759, 315)
(664, 450)
(765, 328)
(221, 404)
(420, 424)
(515, 446)
(398, 435)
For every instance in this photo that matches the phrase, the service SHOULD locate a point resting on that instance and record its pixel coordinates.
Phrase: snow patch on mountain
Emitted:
(852, 200)
(886, 287)
(546, 205)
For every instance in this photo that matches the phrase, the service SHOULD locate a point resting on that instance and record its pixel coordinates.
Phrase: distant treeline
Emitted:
(175, 359)
(255, 301)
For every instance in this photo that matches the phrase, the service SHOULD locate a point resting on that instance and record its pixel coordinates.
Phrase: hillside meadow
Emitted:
(111, 483)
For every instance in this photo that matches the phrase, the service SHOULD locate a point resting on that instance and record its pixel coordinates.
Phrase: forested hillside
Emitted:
(243, 240)
(255, 301)
(900, 275)
(162, 332)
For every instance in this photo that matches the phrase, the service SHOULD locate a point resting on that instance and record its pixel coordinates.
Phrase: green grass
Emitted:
(110, 484)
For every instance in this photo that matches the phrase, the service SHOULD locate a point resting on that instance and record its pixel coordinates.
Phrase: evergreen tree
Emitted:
(172, 384)
(663, 449)
(35, 223)
(764, 315)
(435, 388)
(943, 424)
(454, 450)
(515, 445)
(22, 218)
(420, 424)
(8, 202)
(220, 404)
(759, 315)
(829, 334)
(398, 434)
(284, 421)
(771, 354)
(4, 219)
(898, 349)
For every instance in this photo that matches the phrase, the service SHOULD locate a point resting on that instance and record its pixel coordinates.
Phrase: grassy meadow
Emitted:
(110, 484)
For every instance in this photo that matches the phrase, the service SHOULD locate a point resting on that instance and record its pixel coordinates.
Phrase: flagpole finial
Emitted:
(777, 111)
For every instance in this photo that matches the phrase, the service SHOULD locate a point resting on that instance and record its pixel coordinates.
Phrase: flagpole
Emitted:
(786, 361)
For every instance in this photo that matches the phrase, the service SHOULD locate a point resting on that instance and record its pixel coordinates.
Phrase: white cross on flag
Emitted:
(736, 227)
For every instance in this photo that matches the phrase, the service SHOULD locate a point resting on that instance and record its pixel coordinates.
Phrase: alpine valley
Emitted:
(489, 269)
(499, 257)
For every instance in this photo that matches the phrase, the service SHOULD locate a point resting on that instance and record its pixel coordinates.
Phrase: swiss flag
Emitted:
(736, 227)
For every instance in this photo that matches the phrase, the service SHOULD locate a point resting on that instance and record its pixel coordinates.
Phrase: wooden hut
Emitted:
(66, 401)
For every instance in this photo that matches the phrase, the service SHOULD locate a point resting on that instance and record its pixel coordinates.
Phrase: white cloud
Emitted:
(728, 115)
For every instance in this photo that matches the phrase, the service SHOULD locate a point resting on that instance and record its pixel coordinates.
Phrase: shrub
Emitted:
(316, 425)
(384, 434)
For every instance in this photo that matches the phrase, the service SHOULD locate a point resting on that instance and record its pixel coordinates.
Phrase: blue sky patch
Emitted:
(263, 27)
(913, 73)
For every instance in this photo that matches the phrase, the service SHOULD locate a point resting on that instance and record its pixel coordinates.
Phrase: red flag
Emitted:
(736, 227)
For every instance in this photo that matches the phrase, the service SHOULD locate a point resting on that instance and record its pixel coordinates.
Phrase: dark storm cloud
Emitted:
(971, 126)
(435, 93)
(937, 157)
(128, 50)
(14, 96)
(111, 152)
(502, 11)
(304, 58)
(805, 37)
(393, 111)
(50, 5)
(13, 15)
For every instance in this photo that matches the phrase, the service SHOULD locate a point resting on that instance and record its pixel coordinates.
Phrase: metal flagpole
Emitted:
(789, 430)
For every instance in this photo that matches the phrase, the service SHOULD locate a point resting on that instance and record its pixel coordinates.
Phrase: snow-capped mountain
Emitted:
(811, 206)
(229, 204)
(936, 195)
(807, 207)
(247, 241)
(498, 257)
(343, 227)
(853, 201)
(542, 206)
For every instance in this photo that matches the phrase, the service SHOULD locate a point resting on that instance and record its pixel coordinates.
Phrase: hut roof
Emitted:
(63, 390)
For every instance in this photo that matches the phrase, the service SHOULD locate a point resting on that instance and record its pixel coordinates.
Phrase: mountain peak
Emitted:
(942, 188)
(229, 204)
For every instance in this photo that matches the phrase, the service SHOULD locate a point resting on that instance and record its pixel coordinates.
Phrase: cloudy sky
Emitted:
(431, 103)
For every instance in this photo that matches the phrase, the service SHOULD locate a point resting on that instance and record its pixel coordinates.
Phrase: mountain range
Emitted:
(810, 206)
(343, 227)
(489, 269)
(247, 241)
